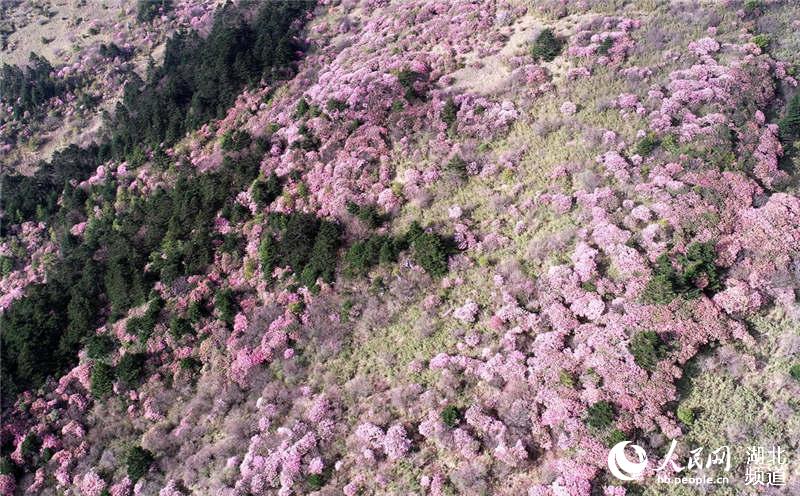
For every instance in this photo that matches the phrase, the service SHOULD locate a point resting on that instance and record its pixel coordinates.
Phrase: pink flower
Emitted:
(568, 108)
(467, 312)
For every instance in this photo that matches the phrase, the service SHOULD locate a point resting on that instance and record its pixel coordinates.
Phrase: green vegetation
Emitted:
(368, 214)
(225, 303)
(25, 90)
(451, 416)
(696, 266)
(131, 368)
(201, 76)
(794, 371)
(450, 114)
(600, 415)
(685, 415)
(429, 249)
(102, 380)
(761, 41)
(647, 144)
(138, 461)
(647, 349)
(147, 10)
(100, 346)
(234, 141)
(547, 46)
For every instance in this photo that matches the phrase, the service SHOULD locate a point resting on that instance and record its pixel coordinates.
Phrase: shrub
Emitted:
(315, 481)
(30, 447)
(429, 251)
(131, 368)
(99, 346)
(450, 114)
(761, 40)
(322, 261)
(647, 349)
(225, 304)
(301, 109)
(647, 144)
(685, 415)
(334, 104)
(191, 364)
(364, 255)
(234, 141)
(138, 461)
(600, 415)
(615, 436)
(451, 416)
(605, 46)
(547, 46)
(795, 371)
(265, 191)
(368, 214)
(790, 124)
(179, 326)
(697, 264)
(147, 10)
(102, 380)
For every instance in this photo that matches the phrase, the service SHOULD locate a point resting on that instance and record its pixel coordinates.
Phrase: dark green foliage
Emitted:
(131, 368)
(336, 105)
(407, 78)
(614, 437)
(795, 371)
(315, 481)
(605, 46)
(600, 415)
(265, 191)
(647, 349)
(201, 76)
(191, 364)
(303, 242)
(364, 255)
(112, 50)
(457, 167)
(761, 41)
(25, 90)
(450, 415)
(790, 124)
(24, 198)
(225, 303)
(647, 144)
(429, 250)
(368, 214)
(234, 141)
(322, 261)
(100, 346)
(195, 312)
(138, 461)
(301, 109)
(309, 141)
(267, 255)
(450, 114)
(102, 380)
(547, 46)
(696, 265)
(143, 326)
(147, 10)
(179, 327)
(172, 231)
(30, 447)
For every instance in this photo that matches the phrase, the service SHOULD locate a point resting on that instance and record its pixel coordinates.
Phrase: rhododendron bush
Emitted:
(412, 247)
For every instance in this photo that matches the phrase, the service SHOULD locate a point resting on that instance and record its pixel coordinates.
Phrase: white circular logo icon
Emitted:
(622, 468)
